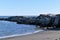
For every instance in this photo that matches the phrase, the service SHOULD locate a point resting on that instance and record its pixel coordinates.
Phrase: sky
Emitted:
(29, 7)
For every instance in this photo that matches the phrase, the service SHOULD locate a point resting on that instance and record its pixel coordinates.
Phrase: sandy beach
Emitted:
(46, 35)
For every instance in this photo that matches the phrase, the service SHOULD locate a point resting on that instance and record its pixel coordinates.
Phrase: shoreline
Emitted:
(46, 35)
(16, 35)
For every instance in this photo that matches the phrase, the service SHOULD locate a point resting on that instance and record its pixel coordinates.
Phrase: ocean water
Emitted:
(4, 16)
(10, 29)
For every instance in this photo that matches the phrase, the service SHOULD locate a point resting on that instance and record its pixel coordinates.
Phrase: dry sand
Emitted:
(46, 35)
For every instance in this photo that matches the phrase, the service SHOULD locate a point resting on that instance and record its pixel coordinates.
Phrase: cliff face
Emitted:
(41, 20)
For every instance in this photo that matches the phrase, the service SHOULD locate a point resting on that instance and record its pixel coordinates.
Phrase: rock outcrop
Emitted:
(57, 21)
(41, 20)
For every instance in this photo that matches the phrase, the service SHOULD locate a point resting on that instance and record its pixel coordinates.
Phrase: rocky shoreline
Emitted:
(42, 20)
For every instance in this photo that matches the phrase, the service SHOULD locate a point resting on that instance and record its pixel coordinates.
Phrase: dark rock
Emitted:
(57, 21)
(41, 20)
(44, 20)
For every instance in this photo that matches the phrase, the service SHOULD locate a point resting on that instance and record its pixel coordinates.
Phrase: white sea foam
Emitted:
(15, 35)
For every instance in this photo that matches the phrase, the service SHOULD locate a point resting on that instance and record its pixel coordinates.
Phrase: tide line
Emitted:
(15, 35)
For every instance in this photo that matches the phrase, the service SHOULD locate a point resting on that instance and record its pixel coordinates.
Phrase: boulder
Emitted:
(57, 21)
(44, 20)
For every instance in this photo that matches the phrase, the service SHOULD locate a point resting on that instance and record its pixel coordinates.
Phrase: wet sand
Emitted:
(46, 35)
